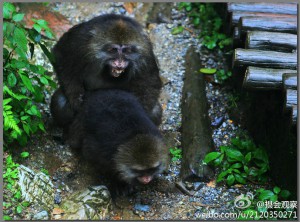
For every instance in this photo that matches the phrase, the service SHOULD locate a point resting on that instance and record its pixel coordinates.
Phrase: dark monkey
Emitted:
(107, 52)
(115, 134)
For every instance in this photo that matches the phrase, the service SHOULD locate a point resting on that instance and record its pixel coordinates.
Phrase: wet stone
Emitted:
(90, 204)
(43, 215)
(36, 187)
(57, 198)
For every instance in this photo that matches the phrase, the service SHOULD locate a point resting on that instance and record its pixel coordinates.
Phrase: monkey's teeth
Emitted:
(117, 72)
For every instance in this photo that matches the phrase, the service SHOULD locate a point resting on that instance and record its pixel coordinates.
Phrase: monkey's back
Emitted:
(111, 118)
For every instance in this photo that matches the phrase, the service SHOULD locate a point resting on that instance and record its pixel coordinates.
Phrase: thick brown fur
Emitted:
(88, 55)
(116, 136)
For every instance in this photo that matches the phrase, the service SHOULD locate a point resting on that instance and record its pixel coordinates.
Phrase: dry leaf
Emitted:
(212, 184)
(116, 218)
(129, 6)
(57, 211)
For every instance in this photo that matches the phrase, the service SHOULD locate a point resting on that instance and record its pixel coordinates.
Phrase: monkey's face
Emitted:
(144, 176)
(141, 159)
(119, 61)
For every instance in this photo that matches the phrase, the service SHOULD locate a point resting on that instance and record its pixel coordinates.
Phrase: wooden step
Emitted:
(264, 78)
(289, 80)
(279, 24)
(236, 15)
(276, 41)
(262, 58)
(276, 8)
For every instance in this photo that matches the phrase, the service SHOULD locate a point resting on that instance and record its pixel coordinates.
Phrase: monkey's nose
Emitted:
(119, 64)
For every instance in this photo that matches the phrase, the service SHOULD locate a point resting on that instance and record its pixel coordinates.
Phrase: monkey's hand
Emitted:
(118, 188)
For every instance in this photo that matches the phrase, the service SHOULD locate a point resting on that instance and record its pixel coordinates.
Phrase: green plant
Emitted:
(205, 15)
(208, 71)
(233, 100)
(176, 153)
(44, 171)
(271, 197)
(23, 81)
(239, 162)
(222, 75)
(10, 172)
(12, 197)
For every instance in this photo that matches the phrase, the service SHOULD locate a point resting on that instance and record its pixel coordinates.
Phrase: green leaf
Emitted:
(285, 194)
(18, 17)
(41, 126)
(11, 79)
(19, 209)
(5, 217)
(25, 203)
(236, 165)
(26, 128)
(24, 154)
(38, 94)
(211, 156)
(196, 21)
(27, 82)
(208, 71)
(42, 23)
(49, 34)
(21, 53)
(274, 198)
(8, 9)
(230, 180)
(248, 157)
(239, 179)
(219, 160)
(234, 154)
(276, 190)
(265, 195)
(44, 80)
(20, 39)
(37, 27)
(221, 176)
(34, 110)
(17, 195)
(177, 30)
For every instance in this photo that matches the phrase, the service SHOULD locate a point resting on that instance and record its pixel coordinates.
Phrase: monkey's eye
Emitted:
(127, 49)
(112, 49)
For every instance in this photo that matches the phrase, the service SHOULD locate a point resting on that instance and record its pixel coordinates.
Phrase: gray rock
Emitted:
(90, 204)
(43, 215)
(36, 187)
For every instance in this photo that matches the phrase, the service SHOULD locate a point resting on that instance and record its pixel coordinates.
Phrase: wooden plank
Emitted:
(262, 58)
(291, 98)
(271, 40)
(236, 15)
(196, 129)
(289, 80)
(276, 8)
(286, 24)
(264, 78)
(294, 114)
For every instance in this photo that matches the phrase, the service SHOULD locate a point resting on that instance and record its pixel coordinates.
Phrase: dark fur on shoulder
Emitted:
(108, 52)
(115, 134)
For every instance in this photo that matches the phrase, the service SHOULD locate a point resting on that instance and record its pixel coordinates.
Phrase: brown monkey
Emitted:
(116, 136)
(108, 52)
